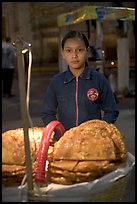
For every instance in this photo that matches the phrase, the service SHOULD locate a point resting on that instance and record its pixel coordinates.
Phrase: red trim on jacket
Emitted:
(76, 101)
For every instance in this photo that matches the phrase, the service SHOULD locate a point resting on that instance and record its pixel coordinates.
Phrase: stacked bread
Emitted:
(13, 153)
(86, 152)
(83, 153)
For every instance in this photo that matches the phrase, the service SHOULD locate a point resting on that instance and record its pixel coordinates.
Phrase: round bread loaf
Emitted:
(86, 152)
(13, 153)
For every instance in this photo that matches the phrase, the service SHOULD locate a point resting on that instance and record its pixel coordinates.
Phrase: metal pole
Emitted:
(25, 120)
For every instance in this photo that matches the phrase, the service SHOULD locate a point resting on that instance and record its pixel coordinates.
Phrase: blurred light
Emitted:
(26, 47)
(112, 63)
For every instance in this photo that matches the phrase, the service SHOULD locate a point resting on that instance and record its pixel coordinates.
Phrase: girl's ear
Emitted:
(88, 50)
(62, 52)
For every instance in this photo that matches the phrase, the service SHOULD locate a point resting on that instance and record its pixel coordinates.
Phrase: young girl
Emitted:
(78, 94)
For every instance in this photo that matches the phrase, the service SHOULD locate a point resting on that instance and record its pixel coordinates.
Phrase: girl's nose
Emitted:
(74, 54)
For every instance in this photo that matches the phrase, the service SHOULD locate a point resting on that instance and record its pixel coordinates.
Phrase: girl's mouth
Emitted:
(74, 62)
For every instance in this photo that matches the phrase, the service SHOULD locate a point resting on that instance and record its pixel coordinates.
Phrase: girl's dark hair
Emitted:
(75, 34)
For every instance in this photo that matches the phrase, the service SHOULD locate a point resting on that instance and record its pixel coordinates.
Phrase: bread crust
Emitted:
(86, 152)
(13, 153)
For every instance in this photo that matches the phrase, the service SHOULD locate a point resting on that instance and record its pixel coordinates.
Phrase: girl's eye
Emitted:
(80, 50)
(68, 50)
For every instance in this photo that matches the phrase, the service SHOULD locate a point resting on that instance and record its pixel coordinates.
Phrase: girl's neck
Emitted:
(77, 72)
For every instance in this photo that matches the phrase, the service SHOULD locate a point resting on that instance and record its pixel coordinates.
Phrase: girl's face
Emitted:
(75, 53)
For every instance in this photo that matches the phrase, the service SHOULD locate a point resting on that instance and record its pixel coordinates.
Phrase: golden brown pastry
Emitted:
(83, 153)
(86, 152)
(13, 153)
(13, 145)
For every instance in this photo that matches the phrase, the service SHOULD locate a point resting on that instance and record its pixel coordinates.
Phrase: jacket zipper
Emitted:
(76, 101)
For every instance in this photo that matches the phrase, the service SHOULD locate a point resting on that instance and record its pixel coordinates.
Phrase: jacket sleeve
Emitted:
(49, 106)
(109, 105)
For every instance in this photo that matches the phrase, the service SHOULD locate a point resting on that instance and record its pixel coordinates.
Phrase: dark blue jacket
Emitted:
(73, 100)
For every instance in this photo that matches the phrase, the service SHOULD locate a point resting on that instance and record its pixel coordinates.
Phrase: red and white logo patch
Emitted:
(92, 94)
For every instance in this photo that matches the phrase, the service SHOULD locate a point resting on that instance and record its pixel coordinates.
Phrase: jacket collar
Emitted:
(86, 74)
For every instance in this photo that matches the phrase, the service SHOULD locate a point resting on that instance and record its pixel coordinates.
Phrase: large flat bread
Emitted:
(84, 145)
(94, 140)
(13, 145)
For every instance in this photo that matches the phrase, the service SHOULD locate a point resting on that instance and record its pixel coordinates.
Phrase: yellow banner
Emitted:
(94, 12)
